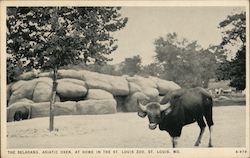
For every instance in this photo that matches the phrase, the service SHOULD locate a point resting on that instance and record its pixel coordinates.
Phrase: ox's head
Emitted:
(153, 110)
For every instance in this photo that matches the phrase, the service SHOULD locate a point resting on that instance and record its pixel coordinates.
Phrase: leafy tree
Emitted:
(51, 37)
(222, 71)
(185, 62)
(13, 70)
(234, 34)
(131, 66)
(153, 69)
(238, 70)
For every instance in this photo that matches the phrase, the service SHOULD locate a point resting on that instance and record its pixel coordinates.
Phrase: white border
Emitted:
(184, 152)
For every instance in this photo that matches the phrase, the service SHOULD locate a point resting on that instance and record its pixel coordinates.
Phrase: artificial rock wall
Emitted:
(82, 92)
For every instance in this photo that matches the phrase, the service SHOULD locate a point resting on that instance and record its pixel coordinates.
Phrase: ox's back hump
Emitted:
(192, 102)
(192, 105)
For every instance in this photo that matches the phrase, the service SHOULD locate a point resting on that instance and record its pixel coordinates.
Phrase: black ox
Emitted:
(179, 108)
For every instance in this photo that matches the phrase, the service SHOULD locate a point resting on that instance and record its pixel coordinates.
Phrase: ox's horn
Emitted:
(164, 106)
(142, 107)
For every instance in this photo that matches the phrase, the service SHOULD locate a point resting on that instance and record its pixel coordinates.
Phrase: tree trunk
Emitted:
(52, 101)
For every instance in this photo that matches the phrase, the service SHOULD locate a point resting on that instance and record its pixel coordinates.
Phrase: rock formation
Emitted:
(82, 92)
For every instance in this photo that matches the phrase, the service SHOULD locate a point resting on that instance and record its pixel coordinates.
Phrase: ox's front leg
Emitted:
(174, 142)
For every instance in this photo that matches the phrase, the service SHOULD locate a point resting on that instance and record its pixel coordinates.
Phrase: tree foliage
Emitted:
(234, 29)
(49, 37)
(13, 71)
(185, 62)
(153, 69)
(234, 34)
(131, 66)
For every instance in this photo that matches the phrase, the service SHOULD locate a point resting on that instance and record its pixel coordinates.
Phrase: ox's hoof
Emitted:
(197, 143)
(210, 145)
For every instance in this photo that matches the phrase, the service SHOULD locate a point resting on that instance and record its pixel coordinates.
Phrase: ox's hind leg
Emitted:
(208, 113)
(202, 126)
(198, 141)
(210, 123)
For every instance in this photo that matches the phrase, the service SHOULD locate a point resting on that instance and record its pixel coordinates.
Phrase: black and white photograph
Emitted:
(129, 79)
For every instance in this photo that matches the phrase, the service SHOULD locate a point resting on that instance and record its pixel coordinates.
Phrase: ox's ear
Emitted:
(142, 114)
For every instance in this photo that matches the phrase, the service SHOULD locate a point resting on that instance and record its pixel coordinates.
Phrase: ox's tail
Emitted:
(208, 109)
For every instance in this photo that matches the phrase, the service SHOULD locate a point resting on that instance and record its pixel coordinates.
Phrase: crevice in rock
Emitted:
(64, 99)
(120, 100)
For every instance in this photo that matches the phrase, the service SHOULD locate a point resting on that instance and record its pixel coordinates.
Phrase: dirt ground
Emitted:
(123, 130)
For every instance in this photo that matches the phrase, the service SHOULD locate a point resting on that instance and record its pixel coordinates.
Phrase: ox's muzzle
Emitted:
(152, 126)
(153, 110)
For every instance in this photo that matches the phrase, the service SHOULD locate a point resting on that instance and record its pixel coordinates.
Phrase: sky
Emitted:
(146, 24)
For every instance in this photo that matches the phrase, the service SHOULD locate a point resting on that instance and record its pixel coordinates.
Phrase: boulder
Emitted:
(142, 82)
(147, 86)
(57, 99)
(98, 94)
(25, 89)
(40, 109)
(22, 106)
(8, 94)
(96, 80)
(61, 108)
(96, 84)
(22, 89)
(29, 75)
(71, 74)
(71, 80)
(164, 86)
(42, 92)
(65, 108)
(133, 87)
(44, 79)
(71, 89)
(152, 93)
(17, 85)
(131, 104)
(117, 85)
(45, 74)
(25, 100)
(90, 107)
